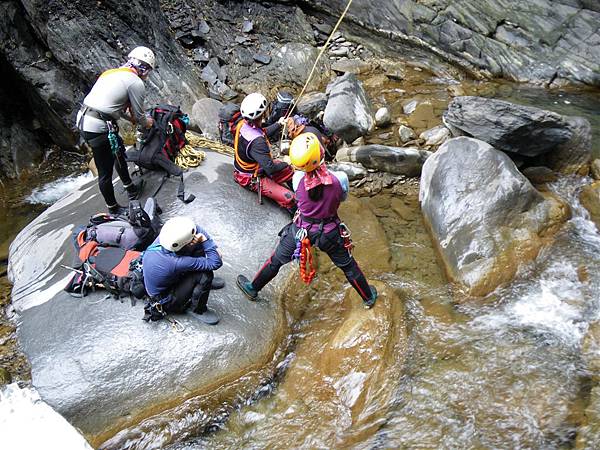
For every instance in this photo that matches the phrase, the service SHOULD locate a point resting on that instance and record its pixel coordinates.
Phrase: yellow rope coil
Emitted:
(190, 155)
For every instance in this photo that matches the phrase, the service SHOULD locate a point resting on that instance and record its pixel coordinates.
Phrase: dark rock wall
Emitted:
(540, 41)
(56, 49)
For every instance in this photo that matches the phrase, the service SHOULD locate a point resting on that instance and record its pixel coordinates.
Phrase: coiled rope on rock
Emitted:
(191, 155)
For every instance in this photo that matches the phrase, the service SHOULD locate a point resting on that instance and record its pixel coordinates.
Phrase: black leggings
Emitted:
(105, 160)
(191, 291)
(331, 243)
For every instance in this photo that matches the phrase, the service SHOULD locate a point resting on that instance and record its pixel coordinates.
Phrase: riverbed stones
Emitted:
(562, 143)
(434, 137)
(485, 217)
(349, 112)
(205, 117)
(406, 134)
(590, 199)
(95, 361)
(397, 160)
(383, 117)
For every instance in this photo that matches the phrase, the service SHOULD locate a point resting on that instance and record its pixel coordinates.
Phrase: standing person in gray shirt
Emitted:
(117, 93)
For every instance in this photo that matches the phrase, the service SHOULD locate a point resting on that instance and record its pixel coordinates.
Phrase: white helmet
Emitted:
(143, 54)
(253, 106)
(176, 233)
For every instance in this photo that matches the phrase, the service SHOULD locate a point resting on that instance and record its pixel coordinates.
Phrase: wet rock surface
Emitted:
(590, 199)
(95, 361)
(205, 117)
(483, 232)
(396, 160)
(562, 143)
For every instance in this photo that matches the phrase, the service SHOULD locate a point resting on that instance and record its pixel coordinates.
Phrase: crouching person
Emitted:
(178, 271)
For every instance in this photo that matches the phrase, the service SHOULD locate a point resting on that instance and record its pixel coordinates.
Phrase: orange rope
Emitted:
(306, 262)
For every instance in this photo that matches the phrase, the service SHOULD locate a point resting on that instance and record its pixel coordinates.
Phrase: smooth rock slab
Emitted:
(563, 143)
(95, 361)
(397, 160)
(485, 217)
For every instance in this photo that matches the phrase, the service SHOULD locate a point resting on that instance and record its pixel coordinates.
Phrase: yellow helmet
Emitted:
(305, 152)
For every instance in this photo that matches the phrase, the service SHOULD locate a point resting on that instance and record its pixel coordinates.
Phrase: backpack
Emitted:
(229, 117)
(161, 144)
(109, 252)
(135, 232)
(114, 269)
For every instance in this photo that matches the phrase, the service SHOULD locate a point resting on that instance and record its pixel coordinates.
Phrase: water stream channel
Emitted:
(430, 367)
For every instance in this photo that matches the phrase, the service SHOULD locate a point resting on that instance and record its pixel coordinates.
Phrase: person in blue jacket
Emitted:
(178, 270)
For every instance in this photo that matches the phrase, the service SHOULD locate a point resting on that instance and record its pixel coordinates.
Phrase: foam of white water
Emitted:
(55, 190)
(27, 422)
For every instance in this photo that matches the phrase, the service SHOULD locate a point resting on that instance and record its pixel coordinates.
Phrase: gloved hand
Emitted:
(281, 121)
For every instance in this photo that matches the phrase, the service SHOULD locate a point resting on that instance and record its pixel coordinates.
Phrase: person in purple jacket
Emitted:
(178, 270)
(319, 193)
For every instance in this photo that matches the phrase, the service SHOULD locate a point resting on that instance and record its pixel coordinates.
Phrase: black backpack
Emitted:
(279, 107)
(161, 144)
(229, 117)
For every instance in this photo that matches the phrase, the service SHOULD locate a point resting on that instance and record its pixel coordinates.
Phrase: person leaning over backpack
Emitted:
(117, 93)
(319, 193)
(254, 165)
(178, 270)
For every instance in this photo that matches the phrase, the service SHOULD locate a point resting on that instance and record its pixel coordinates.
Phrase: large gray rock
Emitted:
(397, 160)
(205, 117)
(96, 362)
(484, 216)
(311, 104)
(543, 41)
(349, 112)
(563, 143)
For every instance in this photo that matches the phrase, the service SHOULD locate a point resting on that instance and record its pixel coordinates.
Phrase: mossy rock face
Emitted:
(485, 217)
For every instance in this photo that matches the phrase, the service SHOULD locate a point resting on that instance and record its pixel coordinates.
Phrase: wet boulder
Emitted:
(205, 117)
(562, 143)
(353, 170)
(349, 112)
(484, 216)
(94, 360)
(590, 199)
(397, 160)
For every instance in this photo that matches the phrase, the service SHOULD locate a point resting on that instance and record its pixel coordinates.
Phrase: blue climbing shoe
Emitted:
(246, 287)
(371, 301)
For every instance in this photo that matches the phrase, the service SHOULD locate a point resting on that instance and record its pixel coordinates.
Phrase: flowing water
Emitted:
(428, 367)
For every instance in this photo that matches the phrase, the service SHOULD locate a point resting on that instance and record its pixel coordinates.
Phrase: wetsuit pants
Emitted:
(105, 161)
(191, 291)
(272, 188)
(331, 243)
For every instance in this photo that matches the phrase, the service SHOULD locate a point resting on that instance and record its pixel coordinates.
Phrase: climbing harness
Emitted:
(346, 233)
(303, 254)
(113, 137)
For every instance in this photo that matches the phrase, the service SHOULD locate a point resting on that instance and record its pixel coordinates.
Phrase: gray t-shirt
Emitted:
(114, 91)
